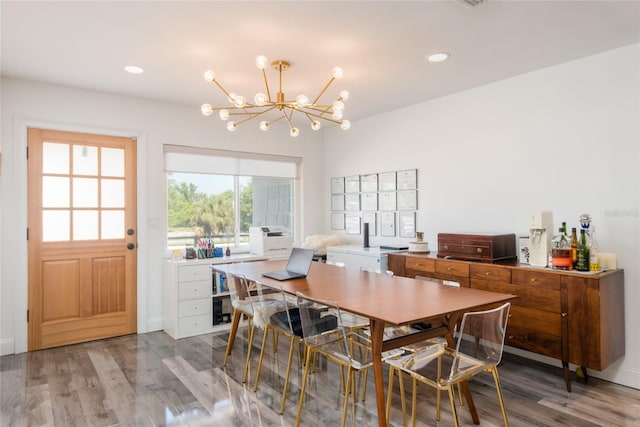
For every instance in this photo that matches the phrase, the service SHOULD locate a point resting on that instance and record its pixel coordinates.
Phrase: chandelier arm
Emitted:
(320, 116)
(266, 84)
(222, 89)
(324, 89)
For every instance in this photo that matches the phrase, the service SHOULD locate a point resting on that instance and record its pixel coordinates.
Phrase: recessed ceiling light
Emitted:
(438, 57)
(133, 69)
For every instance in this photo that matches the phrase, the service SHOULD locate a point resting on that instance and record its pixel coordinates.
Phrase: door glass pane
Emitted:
(113, 224)
(85, 160)
(55, 226)
(85, 225)
(112, 194)
(112, 162)
(55, 158)
(85, 193)
(55, 192)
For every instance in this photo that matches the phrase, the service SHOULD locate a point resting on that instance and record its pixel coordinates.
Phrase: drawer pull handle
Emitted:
(564, 314)
(533, 280)
(195, 308)
(448, 268)
(479, 250)
(486, 274)
(510, 337)
(510, 315)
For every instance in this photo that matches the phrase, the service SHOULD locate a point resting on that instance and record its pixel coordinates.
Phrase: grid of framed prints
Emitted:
(387, 201)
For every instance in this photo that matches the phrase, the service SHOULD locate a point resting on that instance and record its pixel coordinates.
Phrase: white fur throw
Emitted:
(319, 242)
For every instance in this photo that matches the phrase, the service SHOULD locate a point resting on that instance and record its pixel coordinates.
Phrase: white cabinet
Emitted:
(193, 303)
(357, 257)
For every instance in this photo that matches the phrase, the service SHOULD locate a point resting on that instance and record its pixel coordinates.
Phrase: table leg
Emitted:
(377, 335)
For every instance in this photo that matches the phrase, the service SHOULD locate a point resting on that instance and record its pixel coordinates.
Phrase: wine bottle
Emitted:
(574, 247)
(583, 253)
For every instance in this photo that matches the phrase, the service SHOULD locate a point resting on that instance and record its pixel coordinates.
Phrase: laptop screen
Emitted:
(300, 260)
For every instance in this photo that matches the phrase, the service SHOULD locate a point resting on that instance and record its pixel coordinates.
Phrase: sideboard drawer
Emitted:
(452, 267)
(534, 278)
(490, 272)
(420, 264)
(194, 325)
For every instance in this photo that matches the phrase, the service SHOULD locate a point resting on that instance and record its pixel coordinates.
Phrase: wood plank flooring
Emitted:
(153, 380)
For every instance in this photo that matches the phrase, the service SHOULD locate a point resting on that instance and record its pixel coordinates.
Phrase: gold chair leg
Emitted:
(438, 392)
(307, 367)
(403, 402)
(265, 336)
(496, 378)
(389, 391)
(347, 390)
(454, 412)
(245, 376)
(414, 401)
(286, 378)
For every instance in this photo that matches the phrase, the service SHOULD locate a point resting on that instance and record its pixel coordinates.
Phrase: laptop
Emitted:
(297, 267)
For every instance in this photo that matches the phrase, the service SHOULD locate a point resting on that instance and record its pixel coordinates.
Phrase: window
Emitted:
(216, 196)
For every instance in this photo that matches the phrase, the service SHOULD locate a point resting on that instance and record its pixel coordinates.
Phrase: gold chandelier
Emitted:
(242, 111)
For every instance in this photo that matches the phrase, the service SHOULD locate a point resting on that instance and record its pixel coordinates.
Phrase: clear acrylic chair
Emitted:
(325, 334)
(480, 341)
(241, 301)
(276, 313)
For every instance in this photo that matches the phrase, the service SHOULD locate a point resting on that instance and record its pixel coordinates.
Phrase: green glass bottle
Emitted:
(583, 253)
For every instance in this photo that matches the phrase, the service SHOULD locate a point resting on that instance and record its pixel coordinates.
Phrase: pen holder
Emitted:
(209, 252)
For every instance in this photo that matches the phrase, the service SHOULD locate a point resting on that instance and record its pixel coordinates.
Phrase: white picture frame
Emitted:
(388, 224)
(352, 224)
(371, 218)
(337, 221)
(387, 181)
(407, 224)
(337, 202)
(387, 201)
(407, 179)
(407, 200)
(369, 201)
(337, 185)
(352, 184)
(369, 183)
(352, 202)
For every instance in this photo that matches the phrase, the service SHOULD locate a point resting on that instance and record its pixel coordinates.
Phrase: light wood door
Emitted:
(82, 237)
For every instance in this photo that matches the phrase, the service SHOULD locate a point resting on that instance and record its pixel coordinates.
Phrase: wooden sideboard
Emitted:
(572, 316)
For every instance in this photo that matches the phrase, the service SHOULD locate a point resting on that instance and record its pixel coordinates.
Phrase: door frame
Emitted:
(20, 247)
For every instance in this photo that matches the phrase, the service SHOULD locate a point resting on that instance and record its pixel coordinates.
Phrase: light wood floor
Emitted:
(152, 380)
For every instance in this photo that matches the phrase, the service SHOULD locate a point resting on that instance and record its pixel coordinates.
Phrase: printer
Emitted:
(272, 242)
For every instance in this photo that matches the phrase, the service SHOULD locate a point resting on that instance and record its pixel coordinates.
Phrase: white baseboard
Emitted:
(155, 324)
(7, 346)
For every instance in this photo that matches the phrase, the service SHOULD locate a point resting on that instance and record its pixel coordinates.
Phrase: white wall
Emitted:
(564, 139)
(39, 105)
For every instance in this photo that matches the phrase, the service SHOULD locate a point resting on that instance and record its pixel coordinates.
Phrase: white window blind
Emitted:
(222, 162)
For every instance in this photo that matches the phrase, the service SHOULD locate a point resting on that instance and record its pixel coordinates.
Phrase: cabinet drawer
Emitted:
(490, 272)
(194, 289)
(538, 279)
(534, 341)
(452, 267)
(529, 296)
(194, 325)
(420, 264)
(194, 307)
(189, 273)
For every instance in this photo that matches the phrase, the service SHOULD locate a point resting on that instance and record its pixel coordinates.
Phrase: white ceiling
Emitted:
(380, 45)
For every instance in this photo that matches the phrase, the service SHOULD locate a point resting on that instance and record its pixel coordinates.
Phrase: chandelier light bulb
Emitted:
(261, 62)
(224, 114)
(209, 76)
(239, 101)
(345, 125)
(231, 126)
(294, 132)
(206, 109)
(337, 106)
(264, 125)
(344, 95)
(302, 100)
(315, 125)
(260, 99)
(337, 73)
(337, 115)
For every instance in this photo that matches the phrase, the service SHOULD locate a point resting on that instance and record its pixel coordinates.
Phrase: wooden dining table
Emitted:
(384, 300)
